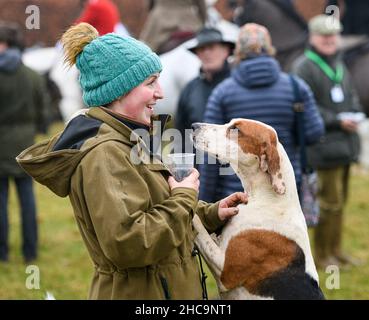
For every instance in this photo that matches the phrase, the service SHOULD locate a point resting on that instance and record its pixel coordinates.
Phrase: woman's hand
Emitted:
(192, 181)
(227, 206)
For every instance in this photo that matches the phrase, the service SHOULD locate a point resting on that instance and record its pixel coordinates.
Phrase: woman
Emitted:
(135, 221)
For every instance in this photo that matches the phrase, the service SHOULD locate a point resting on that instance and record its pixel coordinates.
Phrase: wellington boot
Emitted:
(322, 264)
(336, 224)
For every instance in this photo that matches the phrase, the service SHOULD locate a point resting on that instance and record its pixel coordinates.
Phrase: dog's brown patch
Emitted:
(255, 255)
(259, 140)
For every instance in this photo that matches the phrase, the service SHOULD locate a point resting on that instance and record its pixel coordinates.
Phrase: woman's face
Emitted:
(140, 102)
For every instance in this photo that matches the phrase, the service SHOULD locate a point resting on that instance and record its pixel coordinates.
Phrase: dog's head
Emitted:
(243, 143)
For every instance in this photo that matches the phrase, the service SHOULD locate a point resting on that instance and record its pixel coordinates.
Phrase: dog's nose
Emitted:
(196, 125)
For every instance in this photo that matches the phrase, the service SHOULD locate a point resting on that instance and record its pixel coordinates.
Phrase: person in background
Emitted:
(323, 69)
(103, 15)
(172, 16)
(23, 114)
(258, 90)
(212, 50)
(174, 79)
(135, 219)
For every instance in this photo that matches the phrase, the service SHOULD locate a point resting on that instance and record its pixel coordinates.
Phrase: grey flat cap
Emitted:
(325, 25)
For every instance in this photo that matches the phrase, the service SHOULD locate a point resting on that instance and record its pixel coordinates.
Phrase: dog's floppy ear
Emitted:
(274, 165)
(261, 140)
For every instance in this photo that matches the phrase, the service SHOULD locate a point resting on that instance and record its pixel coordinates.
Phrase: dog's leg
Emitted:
(208, 248)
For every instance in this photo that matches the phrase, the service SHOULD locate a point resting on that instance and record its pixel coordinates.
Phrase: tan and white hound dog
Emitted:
(263, 252)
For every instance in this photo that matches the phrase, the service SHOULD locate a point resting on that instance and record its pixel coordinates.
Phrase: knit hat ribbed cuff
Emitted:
(125, 82)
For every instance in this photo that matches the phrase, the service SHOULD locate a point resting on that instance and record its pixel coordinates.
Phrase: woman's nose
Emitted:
(158, 92)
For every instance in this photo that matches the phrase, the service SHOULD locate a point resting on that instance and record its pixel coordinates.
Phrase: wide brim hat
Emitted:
(208, 36)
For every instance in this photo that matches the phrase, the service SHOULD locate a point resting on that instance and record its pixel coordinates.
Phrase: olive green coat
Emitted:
(137, 231)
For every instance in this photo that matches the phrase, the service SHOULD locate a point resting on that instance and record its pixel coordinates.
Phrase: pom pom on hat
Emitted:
(75, 39)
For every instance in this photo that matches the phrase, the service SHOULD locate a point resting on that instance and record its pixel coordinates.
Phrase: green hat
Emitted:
(325, 25)
(110, 66)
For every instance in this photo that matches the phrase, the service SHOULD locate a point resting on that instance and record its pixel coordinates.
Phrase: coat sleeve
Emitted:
(353, 95)
(313, 122)
(131, 231)
(208, 214)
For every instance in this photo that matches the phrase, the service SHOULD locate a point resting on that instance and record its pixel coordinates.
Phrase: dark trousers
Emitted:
(26, 198)
(333, 194)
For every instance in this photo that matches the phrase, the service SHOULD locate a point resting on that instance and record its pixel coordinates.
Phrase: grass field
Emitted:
(65, 268)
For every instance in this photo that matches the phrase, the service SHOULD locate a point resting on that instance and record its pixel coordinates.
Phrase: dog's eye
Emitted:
(232, 129)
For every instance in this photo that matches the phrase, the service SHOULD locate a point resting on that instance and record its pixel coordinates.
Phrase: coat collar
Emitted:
(127, 127)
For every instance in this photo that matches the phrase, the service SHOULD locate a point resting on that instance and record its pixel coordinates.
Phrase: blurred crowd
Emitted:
(221, 60)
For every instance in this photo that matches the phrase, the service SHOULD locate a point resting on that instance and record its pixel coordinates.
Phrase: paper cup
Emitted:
(180, 164)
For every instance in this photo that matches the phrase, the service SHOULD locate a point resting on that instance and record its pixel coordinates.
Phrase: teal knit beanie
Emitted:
(110, 66)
